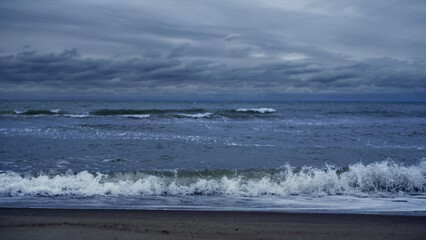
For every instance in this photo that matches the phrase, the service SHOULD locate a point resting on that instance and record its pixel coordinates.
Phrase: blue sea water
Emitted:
(364, 157)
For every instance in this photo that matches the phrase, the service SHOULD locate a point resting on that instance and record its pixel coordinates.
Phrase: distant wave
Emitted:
(137, 116)
(256, 110)
(39, 112)
(77, 115)
(376, 179)
(113, 112)
(196, 115)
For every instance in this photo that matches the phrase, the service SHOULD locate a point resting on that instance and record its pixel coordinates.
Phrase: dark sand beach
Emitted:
(21, 223)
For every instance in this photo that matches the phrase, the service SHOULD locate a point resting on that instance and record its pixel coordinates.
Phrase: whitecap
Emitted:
(256, 110)
(56, 111)
(77, 115)
(138, 116)
(197, 115)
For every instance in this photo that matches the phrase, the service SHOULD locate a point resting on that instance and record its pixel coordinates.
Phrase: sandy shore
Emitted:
(138, 224)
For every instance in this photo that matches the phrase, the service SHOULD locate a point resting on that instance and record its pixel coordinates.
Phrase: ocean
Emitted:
(344, 157)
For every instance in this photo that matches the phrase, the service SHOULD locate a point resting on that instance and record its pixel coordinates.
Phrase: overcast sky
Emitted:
(212, 49)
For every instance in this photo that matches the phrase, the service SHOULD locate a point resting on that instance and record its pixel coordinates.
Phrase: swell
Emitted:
(113, 112)
(377, 179)
(35, 112)
(195, 113)
(186, 113)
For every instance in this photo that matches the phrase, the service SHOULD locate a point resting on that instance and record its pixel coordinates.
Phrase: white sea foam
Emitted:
(136, 115)
(77, 115)
(56, 111)
(376, 179)
(197, 115)
(256, 110)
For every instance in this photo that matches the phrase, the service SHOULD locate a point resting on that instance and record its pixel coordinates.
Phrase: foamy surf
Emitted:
(377, 179)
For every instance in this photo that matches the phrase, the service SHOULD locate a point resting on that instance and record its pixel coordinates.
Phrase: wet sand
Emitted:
(146, 224)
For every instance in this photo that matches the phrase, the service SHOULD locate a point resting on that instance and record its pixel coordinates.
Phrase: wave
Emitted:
(114, 112)
(77, 115)
(256, 110)
(137, 116)
(39, 112)
(377, 179)
(55, 112)
(197, 115)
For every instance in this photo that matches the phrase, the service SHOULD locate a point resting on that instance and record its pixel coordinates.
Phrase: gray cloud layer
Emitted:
(68, 72)
(144, 48)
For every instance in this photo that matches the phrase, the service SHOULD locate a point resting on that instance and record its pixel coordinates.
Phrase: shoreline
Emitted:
(37, 223)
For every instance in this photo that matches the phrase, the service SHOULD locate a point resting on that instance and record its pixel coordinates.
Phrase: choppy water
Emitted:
(294, 156)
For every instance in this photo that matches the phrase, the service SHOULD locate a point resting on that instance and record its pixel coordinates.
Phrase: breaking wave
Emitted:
(137, 116)
(256, 110)
(195, 113)
(377, 179)
(114, 112)
(38, 112)
(77, 115)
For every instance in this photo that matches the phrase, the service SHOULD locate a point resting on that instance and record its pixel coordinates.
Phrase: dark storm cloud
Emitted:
(186, 47)
(68, 71)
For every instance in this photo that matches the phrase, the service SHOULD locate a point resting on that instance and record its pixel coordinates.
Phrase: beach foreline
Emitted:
(30, 223)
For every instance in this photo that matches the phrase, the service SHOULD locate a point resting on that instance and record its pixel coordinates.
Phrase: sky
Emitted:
(192, 49)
